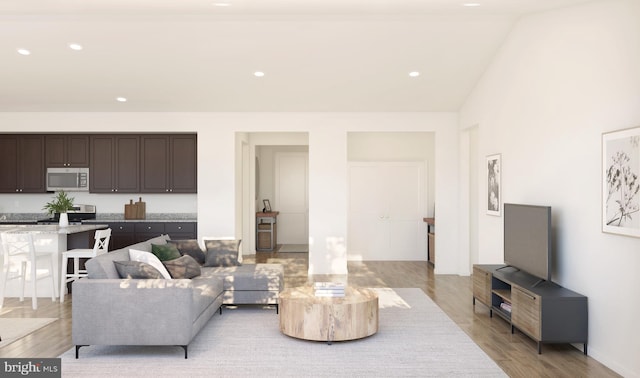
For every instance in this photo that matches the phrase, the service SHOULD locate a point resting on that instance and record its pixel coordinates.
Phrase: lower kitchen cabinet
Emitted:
(124, 234)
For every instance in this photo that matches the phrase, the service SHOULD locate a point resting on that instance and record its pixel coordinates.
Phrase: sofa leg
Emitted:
(78, 349)
(220, 310)
(185, 350)
(277, 309)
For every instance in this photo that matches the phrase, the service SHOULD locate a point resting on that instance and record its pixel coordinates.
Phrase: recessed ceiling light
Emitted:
(121, 99)
(75, 46)
(414, 73)
(471, 4)
(24, 52)
(258, 74)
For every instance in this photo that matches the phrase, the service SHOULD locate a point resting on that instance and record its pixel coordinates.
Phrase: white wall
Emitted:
(327, 139)
(394, 146)
(562, 79)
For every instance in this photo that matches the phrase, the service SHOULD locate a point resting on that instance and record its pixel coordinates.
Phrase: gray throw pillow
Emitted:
(183, 267)
(136, 270)
(189, 247)
(222, 252)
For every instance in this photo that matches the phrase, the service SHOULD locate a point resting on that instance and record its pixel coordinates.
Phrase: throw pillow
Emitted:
(183, 267)
(151, 259)
(189, 247)
(222, 252)
(165, 252)
(136, 270)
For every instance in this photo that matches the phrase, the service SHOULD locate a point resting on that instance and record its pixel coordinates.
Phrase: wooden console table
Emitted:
(431, 240)
(266, 230)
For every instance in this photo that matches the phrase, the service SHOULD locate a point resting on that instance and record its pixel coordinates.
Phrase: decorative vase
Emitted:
(64, 220)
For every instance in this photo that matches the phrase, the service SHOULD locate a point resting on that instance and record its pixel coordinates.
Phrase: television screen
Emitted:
(527, 239)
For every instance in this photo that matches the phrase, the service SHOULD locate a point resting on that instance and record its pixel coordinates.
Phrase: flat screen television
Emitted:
(527, 239)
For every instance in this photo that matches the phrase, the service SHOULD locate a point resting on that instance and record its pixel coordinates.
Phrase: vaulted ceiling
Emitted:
(202, 55)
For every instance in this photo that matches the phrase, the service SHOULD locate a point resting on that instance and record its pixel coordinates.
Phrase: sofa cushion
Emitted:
(146, 245)
(249, 276)
(189, 247)
(222, 253)
(149, 258)
(136, 270)
(165, 252)
(101, 266)
(183, 267)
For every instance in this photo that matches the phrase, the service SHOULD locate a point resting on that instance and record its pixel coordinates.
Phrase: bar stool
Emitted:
(100, 246)
(19, 248)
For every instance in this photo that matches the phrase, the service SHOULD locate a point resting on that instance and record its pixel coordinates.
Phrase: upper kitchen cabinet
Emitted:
(168, 163)
(22, 164)
(115, 162)
(71, 150)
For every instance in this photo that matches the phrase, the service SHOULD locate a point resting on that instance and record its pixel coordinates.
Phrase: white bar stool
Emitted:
(19, 248)
(100, 246)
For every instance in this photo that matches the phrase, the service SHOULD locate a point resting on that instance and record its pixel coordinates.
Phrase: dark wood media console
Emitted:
(543, 310)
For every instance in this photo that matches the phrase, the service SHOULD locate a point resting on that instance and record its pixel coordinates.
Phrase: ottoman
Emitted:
(249, 284)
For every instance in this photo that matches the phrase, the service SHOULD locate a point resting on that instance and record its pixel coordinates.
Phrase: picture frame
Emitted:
(621, 182)
(267, 206)
(494, 189)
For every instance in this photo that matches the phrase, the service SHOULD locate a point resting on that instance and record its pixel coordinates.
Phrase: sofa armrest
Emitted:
(132, 312)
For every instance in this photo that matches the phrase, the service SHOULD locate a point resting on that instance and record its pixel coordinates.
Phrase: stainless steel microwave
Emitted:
(68, 179)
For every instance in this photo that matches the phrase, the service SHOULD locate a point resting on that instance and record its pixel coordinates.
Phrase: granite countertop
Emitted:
(9, 219)
(150, 217)
(122, 220)
(50, 229)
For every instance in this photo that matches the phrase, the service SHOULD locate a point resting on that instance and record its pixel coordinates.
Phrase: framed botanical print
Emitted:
(620, 183)
(494, 191)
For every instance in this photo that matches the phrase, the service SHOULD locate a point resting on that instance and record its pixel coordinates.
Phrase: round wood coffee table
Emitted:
(305, 316)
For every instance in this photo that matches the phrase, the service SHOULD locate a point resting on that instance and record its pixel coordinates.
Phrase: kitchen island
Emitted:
(50, 238)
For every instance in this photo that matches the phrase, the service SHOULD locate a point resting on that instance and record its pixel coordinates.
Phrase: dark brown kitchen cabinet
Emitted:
(67, 150)
(124, 234)
(168, 163)
(22, 164)
(115, 164)
(148, 230)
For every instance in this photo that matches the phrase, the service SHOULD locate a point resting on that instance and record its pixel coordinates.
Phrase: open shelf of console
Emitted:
(542, 310)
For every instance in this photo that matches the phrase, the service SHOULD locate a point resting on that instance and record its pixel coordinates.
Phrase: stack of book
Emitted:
(506, 306)
(328, 289)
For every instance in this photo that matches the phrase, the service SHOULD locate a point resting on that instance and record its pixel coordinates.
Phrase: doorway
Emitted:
(280, 164)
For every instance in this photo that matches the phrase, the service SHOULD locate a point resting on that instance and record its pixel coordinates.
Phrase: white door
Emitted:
(386, 207)
(292, 200)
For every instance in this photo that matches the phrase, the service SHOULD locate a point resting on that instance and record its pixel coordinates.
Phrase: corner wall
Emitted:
(562, 79)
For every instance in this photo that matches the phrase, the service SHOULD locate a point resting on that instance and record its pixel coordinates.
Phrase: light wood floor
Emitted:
(516, 354)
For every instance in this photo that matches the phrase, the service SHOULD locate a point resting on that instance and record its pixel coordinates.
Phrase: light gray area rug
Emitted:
(12, 329)
(289, 248)
(415, 338)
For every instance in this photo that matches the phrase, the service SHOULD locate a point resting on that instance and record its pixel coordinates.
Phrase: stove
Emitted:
(76, 216)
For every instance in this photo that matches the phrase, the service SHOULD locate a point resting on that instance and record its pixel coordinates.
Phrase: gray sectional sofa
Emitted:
(109, 310)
